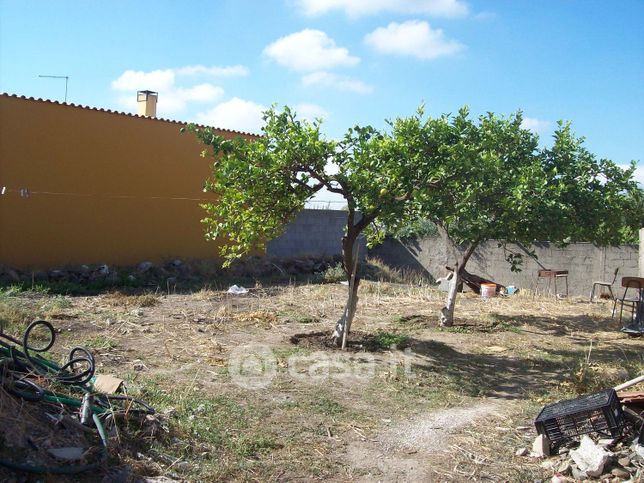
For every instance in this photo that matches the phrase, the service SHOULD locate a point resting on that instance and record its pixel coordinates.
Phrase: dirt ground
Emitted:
(247, 387)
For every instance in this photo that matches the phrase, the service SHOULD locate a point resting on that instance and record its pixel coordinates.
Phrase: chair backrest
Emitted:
(633, 282)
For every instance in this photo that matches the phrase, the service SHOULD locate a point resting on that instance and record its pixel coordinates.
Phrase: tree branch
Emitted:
(326, 182)
(364, 222)
(314, 189)
(468, 253)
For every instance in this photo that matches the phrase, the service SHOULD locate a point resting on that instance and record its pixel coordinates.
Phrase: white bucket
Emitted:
(488, 290)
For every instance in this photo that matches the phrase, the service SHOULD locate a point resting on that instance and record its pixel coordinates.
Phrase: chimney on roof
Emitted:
(146, 102)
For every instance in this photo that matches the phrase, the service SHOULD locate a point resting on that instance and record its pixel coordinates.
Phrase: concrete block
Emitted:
(540, 447)
(589, 457)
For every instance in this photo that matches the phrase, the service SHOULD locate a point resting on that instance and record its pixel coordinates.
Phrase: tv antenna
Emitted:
(66, 77)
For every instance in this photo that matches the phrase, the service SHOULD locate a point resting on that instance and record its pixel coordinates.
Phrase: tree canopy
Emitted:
(491, 181)
(596, 200)
(262, 183)
(475, 179)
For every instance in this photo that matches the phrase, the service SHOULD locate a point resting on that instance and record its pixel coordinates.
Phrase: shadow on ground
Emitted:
(557, 325)
(561, 324)
(506, 376)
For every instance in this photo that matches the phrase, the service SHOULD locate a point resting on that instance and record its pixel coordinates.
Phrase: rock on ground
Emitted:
(589, 457)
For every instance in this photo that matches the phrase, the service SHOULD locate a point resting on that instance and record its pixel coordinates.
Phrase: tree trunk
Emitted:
(343, 325)
(350, 262)
(447, 312)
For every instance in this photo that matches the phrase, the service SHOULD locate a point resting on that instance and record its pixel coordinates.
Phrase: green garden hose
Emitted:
(18, 365)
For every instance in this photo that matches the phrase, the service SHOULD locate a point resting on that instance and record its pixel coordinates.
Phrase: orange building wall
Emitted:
(101, 187)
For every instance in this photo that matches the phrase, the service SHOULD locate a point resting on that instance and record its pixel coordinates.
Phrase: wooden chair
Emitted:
(608, 285)
(633, 300)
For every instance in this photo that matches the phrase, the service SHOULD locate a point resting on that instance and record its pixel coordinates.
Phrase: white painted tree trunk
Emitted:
(447, 312)
(343, 325)
(350, 263)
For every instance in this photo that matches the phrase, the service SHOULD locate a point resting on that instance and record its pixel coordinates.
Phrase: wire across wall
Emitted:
(27, 193)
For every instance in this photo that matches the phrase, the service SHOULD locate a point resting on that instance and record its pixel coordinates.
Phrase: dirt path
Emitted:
(411, 450)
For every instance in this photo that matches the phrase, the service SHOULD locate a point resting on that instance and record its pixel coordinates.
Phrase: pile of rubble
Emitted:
(593, 459)
(594, 437)
(172, 271)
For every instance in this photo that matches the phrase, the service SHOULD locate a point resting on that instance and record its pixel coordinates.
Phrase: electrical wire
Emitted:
(26, 193)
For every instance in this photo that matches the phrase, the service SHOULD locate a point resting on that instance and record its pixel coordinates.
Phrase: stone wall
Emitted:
(584, 261)
(313, 232)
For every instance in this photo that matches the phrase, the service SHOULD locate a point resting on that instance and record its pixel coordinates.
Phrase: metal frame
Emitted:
(608, 285)
(636, 303)
(548, 276)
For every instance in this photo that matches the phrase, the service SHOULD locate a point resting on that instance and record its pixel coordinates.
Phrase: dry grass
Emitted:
(18, 308)
(258, 318)
(523, 351)
(32, 433)
(376, 270)
(485, 451)
(118, 299)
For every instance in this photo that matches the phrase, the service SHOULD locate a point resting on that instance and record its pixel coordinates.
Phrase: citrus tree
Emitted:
(263, 183)
(491, 181)
(474, 179)
(595, 199)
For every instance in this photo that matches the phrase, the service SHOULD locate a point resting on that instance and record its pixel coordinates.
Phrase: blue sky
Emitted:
(221, 62)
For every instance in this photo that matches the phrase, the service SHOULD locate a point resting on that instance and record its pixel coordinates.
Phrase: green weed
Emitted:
(334, 274)
(385, 340)
(99, 342)
(326, 406)
(220, 426)
(20, 307)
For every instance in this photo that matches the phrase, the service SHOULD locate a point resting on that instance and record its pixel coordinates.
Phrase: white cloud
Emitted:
(310, 112)
(214, 71)
(357, 8)
(238, 114)
(128, 102)
(201, 93)
(485, 16)
(414, 38)
(309, 50)
(173, 98)
(537, 126)
(133, 80)
(338, 82)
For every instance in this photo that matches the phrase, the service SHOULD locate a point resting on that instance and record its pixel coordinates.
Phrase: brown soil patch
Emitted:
(358, 341)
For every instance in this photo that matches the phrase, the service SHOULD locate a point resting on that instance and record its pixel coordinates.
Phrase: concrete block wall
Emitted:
(585, 262)
(313, 232)
(641, 262)
(319, 232)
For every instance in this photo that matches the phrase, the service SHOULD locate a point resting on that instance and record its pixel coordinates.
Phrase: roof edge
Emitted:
(121, 113)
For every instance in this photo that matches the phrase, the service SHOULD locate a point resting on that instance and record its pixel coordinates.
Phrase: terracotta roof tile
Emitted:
(120, 113)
